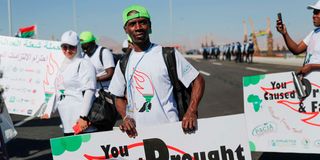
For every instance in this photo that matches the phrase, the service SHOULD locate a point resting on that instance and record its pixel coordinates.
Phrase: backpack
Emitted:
(103, 113)
(181, 93)
(116, 57)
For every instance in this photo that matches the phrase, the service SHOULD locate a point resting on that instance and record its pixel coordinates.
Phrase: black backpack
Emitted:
(116, 57)
(181, 93)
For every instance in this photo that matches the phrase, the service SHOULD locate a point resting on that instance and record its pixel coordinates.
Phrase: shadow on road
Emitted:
(17, 150)
(54, 121)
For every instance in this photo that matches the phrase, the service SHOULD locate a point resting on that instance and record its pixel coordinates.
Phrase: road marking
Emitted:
(205, 73)
(24, 121)
(257, 69)
(217, 63)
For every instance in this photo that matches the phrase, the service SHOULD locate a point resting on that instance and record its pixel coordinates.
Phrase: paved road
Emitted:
(223, 96)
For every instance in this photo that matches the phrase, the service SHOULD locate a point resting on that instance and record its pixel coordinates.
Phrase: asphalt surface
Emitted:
(223, 96)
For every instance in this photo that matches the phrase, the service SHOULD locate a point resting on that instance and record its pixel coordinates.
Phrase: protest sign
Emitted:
(277, 120)
(220, 138)
(29, 67)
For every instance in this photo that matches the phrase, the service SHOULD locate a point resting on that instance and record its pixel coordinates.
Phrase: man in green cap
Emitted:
(101, 58)
(144, 93)
(105, 65)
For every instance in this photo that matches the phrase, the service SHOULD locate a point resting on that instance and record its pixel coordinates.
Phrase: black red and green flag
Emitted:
(27, 32)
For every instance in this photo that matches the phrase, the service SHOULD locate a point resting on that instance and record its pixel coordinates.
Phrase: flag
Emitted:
(27, 32)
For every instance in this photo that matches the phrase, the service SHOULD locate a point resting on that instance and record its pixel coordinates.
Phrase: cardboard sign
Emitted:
(29, 68)
(219, 138)
(277, 120)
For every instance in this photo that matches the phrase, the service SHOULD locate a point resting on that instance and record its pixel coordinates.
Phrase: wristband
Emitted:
(85, 118)
(125, 117)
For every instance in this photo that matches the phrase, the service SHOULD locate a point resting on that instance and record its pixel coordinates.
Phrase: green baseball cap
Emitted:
(86, 37)
(141, 12)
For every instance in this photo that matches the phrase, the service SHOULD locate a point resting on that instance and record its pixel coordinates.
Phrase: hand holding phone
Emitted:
(280, 18)
(280, 26)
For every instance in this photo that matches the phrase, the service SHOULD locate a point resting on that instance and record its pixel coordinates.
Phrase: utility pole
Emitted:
(9, 18)
(171, 22)
(75, 16)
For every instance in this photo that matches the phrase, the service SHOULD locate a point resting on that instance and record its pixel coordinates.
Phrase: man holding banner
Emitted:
(144, 90)
(309, 44)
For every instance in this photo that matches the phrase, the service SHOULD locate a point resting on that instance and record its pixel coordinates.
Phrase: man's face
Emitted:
(88, 48)
(316, 18)
(138, 29)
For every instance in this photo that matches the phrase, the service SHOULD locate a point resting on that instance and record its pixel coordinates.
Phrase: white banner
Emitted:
(220, 138)
(29, 68)
(277, 120)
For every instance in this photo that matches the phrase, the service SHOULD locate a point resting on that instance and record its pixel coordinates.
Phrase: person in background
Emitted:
(250, 51)
(104, 64)
(75, 87)
(144, 93)
(310, 44)
(126, 46)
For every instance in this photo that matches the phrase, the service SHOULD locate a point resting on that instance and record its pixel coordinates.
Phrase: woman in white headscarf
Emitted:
(75, 84)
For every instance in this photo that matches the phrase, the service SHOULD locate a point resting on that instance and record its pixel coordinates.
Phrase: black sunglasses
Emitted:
(315, 11)
(68, 47)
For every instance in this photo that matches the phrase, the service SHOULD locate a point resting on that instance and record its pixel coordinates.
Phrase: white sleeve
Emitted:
(307, 39)
(88, 98)
(87, 75)
(88, 82)
(118, 83)
(107, 59)
(186, 72)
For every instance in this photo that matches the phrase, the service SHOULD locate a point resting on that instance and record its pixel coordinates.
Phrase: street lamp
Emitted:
(171, 22)
(74, 16)
(9, 18)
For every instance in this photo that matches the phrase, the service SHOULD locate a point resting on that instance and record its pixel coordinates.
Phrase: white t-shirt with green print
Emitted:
(313, 50)
(150, 93)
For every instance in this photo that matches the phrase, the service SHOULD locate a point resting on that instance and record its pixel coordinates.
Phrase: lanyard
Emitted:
(129, 81)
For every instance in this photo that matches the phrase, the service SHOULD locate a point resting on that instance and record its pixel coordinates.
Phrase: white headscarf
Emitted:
(71, 38)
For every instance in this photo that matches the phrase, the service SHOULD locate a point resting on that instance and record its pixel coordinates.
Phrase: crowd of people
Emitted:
(232, 51)
(143, 93)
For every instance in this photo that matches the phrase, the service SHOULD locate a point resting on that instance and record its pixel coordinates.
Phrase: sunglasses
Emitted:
(315, 11)
(68, 47)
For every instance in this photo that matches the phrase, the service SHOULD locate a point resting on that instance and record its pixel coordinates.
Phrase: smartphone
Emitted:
(280, 17)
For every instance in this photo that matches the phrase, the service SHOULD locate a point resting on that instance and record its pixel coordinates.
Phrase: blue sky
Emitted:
(193, 21)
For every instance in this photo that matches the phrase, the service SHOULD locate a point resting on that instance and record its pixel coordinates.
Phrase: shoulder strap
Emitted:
(170, 61)
(78, 69)
(100, 55)
(124, 61)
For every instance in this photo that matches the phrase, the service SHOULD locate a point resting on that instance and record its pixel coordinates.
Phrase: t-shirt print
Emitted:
(144, 86)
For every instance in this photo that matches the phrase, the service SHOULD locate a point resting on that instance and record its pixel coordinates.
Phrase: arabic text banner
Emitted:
(29, 67)
(217, 138)
(277, 120)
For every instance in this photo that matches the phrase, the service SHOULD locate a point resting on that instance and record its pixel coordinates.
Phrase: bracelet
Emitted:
(125, 117)
(85, 118)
